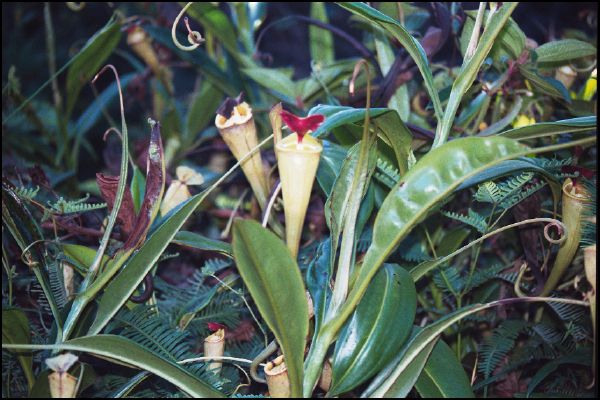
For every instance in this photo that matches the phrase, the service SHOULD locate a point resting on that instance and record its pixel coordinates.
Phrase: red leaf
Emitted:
(108, 188)
(155, 186)
(301, 125)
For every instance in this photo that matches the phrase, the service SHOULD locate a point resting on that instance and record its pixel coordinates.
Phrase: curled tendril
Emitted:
(517, 286)
(27, 251)
(561, 229)
(194, 37)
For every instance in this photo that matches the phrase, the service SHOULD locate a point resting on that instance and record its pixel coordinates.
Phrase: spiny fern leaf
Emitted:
(496, 193)
(589, 229)
(57, 283)
(496, 347)
(386, 173)
(63, 206)
(150, 330)
(449, 279)
(214, 265)
(473, 219)
(27, 193)
(484, 275)
(521, 195)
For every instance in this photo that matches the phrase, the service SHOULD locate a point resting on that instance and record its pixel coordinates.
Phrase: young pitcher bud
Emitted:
(214, 346)
(236, 125)
(566, 75)
(62, 384)
(277, 378)
(178, 191)
(141, 44)
(298, 157)
(574, 200)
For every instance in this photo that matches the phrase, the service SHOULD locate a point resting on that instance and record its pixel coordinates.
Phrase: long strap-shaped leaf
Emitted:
(127, 352)
(423, 339)
(411, 45)
(435, 177)
(275, 283)
(470, 69)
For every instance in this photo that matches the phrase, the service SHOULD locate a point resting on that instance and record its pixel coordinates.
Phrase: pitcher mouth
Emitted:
(308, 146)
(239, 115)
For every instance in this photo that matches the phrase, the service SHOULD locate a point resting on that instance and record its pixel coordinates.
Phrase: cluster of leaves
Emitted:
(411, 277)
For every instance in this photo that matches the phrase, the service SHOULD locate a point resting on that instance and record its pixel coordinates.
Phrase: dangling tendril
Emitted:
(194, 37)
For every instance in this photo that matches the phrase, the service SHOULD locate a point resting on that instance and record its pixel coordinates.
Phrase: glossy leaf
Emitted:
(202, 110)
(275, 284)
(318, 274)
(137, 189)
(377, 330)
(89, 59)
(339, 115)
(427, 185)
(126, 352)
(411, 45)
(215, 21)
(543, 129)
(563, 51)
(443, 376)
(15, 330)
(332, 157)
(197, 241)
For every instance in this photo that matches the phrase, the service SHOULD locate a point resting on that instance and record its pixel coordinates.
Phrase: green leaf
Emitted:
(321, 40)
(509, 44)
(273, 79)
(563, 51)
(197, 241)
(332, 157)
(396, 134)
(274, 281)
(545, 84)
(544, 129)
(470, 69)
(215, 21)
(126, 352)
(350, 187)
(89, 59)
(92, 113)
(202, 111)
(15, 330)
(198, 57)
(411, 45)
(443, 376)
(380, 325)
(137, 188)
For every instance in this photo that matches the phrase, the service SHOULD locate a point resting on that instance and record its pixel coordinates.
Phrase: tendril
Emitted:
(194, 37)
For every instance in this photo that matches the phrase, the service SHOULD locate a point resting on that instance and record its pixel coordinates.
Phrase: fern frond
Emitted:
(62, 206)
(386, 173)
(57, 283)
(496, 347)
(589, 229)
(495, 193)
(473, 219)
(484, 275)
(27, 193)
(521, 195)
